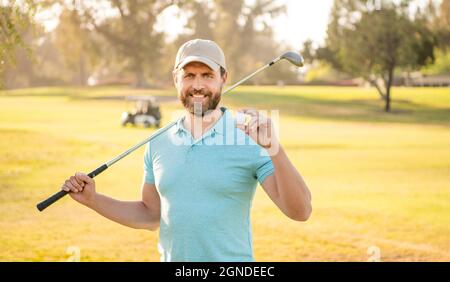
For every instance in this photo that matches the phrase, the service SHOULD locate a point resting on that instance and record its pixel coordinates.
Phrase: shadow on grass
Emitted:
(354, 110)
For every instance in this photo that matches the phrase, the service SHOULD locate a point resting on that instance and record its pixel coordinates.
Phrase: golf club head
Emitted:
(294, 58)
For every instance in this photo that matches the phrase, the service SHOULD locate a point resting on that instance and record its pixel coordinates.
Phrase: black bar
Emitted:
(97, 171)
(270, 271)
(55, 197)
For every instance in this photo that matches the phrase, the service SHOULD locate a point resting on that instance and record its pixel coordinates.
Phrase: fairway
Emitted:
(380, 182)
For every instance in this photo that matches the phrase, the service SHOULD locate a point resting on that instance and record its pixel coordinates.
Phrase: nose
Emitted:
(198, 84)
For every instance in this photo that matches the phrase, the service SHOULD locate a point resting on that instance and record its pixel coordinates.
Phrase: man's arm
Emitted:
(287, 189)
(285, 186)
(144, 214)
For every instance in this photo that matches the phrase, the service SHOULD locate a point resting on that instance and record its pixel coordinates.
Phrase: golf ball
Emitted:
(242, 118)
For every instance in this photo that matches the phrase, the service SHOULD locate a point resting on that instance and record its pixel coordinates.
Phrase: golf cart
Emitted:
(145, 112)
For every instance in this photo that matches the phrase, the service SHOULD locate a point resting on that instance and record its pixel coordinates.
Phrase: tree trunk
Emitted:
(387, 108)
(140, 79)
(374, 83)
(82, 72)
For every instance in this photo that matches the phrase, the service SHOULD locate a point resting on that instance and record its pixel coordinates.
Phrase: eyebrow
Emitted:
(203, 73)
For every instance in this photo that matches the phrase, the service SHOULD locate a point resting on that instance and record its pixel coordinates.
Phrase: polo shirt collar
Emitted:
(218, 128)
(179, 126)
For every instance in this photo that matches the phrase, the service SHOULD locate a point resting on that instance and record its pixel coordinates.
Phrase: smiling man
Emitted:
(200, 175)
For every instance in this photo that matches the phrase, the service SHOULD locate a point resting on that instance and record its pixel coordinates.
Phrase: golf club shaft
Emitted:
(250, 76)
(55, 197)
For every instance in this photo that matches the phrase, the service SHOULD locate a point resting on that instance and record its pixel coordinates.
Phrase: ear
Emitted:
(224, 77)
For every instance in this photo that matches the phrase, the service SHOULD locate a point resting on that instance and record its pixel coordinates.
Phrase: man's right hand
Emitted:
(81, 188)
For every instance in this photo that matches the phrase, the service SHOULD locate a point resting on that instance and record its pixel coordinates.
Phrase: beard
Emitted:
(201, 106)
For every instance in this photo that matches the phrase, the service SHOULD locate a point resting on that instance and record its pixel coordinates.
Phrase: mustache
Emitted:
(201, 92)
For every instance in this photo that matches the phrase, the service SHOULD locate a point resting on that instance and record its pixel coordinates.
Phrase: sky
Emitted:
(303, 20)
(308, 20)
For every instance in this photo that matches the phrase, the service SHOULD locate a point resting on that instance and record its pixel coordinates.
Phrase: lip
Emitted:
(198, 96)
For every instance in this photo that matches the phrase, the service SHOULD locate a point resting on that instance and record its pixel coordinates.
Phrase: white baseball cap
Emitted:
(200, 50)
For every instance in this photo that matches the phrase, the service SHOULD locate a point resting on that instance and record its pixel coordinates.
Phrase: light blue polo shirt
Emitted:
(206, 189)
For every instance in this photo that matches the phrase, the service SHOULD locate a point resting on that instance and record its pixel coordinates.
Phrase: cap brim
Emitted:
(189, 59)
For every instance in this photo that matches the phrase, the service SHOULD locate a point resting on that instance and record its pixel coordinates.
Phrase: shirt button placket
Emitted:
(190, 150)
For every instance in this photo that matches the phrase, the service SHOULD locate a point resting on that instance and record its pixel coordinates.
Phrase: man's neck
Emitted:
(198, 125)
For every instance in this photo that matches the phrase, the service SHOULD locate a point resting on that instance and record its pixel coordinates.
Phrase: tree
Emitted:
(239, 27)
(371, 39)
(76, 45)
(16, 20)
(443, 24)
(199, 21)
(308, 51)
(132, 33)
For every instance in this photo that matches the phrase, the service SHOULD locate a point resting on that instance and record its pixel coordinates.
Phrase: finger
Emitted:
(75, 183)
(83, 177)
(65, 188)
(253, 127)
(79, 181)
(253, 130)
(70, 186)
(251, 112)
(243, 110)
(263, 118)
(253, 121)
(244, 128)
(250, 125)
(248, 112)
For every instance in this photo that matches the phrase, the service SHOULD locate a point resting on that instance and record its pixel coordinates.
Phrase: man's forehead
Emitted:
(199, 66)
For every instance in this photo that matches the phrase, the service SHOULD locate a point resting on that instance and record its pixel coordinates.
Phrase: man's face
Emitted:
(199, 87)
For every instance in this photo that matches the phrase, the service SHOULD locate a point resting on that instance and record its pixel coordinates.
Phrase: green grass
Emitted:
(377, 179)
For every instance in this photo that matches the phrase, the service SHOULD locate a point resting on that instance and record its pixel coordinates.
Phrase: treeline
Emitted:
(377, 40)
(117, 41)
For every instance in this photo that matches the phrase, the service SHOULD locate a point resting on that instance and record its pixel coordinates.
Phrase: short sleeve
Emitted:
(148, 166)
(264, 166)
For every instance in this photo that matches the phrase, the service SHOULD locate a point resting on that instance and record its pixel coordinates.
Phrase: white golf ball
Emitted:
(240, 118)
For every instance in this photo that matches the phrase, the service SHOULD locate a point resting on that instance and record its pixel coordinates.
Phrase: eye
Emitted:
(208, 75)
(188, 75)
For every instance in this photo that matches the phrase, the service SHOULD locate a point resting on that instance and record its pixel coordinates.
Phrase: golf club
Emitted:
(294, 58)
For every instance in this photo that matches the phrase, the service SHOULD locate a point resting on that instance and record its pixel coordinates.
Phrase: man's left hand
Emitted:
(259, 127)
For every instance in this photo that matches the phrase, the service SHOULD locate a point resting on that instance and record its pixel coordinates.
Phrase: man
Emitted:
(201, 174)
